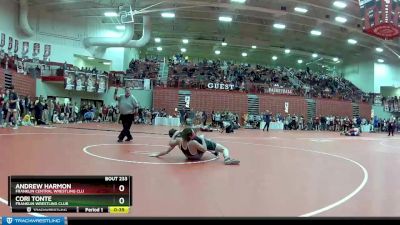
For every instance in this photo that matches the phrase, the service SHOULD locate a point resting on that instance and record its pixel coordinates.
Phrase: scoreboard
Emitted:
(72, 194)
(381, 18)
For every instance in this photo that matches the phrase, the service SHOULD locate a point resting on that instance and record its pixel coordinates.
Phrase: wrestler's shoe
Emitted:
(230, 161)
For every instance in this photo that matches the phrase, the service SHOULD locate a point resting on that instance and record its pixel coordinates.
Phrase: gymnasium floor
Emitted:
(291, 173)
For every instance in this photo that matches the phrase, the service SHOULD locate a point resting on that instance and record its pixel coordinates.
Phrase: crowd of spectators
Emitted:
(244, 77)
(143, 69)
(258, 79)
(318, 123)
(320, 85)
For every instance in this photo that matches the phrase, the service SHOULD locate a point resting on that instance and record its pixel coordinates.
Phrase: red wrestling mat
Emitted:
(281, 173)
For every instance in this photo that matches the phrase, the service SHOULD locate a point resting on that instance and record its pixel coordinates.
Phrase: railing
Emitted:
(293, 78)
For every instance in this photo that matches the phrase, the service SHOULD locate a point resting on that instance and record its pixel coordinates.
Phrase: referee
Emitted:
(128, 106)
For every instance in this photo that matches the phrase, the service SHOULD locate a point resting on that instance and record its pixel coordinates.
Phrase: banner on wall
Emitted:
(91, 83)
(3, 40)
(36, 49)
(10, 43)
(146, 84)
(278, 90)
(386, 107)
(378, 100)
(137, 84)
(16, 46)
(80, 81)
(187, 101)
(47, 51)
(69, 80)
(25, 48)
(20, 67)
(395, 107)
(286, 107)
(102, 84)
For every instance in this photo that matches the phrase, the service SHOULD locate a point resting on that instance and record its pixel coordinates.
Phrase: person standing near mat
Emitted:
(128, 106)
(12, 108)
(2, 104)
(267, 120)
(391, 126)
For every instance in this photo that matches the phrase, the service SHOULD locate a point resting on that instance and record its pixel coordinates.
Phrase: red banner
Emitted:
(3, 40)
(25, 47)
(10, 43)
(47, 50)
(36, 49)
(16, 46)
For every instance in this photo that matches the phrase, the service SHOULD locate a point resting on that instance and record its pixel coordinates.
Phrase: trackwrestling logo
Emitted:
(33, 220)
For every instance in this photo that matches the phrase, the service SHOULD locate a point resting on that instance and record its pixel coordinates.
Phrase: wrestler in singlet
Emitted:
(211, 146)
(188, 136)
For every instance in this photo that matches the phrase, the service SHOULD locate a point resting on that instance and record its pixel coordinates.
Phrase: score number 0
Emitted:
(121, 200)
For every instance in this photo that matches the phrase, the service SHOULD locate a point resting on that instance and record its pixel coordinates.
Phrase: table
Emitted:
(366, 128)
(165, 121)
(272, 125)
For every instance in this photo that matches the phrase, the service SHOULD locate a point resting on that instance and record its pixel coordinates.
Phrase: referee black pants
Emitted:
(266, 126)
(391, 130)
(126, 124)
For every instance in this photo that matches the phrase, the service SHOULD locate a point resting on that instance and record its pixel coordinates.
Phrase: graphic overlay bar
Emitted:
(88, 194)
(45, 209)
(34, 220)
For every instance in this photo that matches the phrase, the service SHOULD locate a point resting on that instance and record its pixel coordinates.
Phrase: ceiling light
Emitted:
(90, 58)
(217, 52)
(340, 4)
(279, 26)
(159, 49)
(300, 10)
(316, 32)
(274, 58)
(120, 27)
(335, 59)
(168, 15)
(253, 47)
(224, 44)
(225, 19)
(107, 63)
(315, 55)
(287, 51)
(185, 41)
(340, 19)
(239, 1)
(110, 14)
(379, 49)
(183, 49)
(352, 41)
(157, 40)
(244, 54)
(299, 61)
(381, 60)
